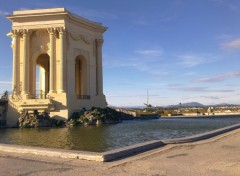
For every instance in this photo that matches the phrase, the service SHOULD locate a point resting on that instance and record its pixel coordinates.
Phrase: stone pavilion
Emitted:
(57, 63)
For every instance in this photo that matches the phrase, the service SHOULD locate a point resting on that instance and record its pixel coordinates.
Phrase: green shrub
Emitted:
(59, 123)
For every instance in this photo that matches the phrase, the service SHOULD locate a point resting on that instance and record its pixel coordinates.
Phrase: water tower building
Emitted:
(57, 63)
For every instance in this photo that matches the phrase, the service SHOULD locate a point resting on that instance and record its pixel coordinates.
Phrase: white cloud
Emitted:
(4, 13)
(92, 14)
(210, 97)
(192, 60)
(148, 61)
(159, 73)
(118, 62)
(182, 88)
(233, 44)
(150, 52)
(142, 60)
(5, 82)
(140, 22)
(191, 89)
(233, 6)
(220, 77)
(176, 85)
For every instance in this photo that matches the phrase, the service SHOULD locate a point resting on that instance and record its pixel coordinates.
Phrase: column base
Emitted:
(61, 91)
(25, 96)
(52, 91)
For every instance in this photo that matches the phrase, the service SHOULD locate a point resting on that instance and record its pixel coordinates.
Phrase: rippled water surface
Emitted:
(107, 137)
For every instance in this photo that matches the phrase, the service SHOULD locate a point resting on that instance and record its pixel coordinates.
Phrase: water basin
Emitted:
(106, 137)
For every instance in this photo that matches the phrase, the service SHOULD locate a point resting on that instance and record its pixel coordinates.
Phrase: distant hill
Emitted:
(224, 104)
(192, 104)
(189, 104)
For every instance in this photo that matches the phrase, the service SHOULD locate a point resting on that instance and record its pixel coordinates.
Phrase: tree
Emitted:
(149, 107)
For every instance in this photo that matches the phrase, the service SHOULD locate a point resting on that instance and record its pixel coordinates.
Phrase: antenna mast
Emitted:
(147, 97)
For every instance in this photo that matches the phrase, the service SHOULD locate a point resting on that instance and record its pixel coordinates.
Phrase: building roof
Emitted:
(25, 16)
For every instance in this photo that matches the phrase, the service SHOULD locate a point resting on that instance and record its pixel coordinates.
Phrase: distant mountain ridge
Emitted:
(192, 104)
(189, 104)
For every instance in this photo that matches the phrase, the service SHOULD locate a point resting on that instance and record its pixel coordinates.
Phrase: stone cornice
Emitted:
(54, 14)
(37, 11)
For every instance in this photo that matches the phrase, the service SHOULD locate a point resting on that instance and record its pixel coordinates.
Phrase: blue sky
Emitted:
(179, 50)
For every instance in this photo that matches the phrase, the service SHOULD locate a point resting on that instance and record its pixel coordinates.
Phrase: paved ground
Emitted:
(219, 156)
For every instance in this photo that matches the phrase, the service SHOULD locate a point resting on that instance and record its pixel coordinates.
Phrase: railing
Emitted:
(83, 96)
(16, 97)
(40, 94)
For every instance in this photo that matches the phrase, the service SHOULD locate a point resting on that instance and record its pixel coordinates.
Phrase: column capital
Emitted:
(15, 33)
(61, 30)
(99, 42)
(26, 32)
(51, 31)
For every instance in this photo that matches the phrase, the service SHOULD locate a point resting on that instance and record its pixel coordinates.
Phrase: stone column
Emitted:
(99, 67)
(26, 34)
(51, 32)
(15, 46)
(61, 81)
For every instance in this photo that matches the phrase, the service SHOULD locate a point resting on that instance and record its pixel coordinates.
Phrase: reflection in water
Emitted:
(106, 137)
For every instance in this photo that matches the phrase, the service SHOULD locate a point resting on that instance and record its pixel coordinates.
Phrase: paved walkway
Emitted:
(219, 156)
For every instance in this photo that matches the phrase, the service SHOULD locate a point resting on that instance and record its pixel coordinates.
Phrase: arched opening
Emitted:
(42, 76)
(81, 78)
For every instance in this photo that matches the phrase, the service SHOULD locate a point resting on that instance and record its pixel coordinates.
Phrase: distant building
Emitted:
(67, 49)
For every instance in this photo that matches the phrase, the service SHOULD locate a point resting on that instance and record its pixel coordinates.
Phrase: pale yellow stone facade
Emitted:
(57, 63)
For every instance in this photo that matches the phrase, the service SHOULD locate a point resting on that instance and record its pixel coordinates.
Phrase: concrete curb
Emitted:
(112, 154)
(132, 150)
(201, 136)
(52, 152)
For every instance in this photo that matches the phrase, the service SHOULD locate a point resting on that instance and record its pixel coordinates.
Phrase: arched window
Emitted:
(42, 74)
(81, 78)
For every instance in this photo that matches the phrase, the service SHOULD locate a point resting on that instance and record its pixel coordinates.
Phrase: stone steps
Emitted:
(34, 104)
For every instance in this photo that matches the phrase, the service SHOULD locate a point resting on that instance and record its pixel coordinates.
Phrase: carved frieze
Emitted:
(76, 36)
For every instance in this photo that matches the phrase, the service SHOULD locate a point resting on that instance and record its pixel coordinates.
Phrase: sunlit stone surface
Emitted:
(57, 63)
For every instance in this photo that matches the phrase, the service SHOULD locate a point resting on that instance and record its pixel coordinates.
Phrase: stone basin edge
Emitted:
(114, 154)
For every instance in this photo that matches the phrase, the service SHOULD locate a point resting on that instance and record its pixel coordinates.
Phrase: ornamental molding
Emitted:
(76, 36)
